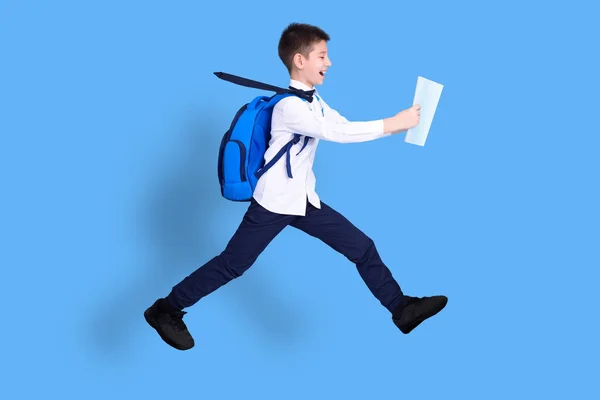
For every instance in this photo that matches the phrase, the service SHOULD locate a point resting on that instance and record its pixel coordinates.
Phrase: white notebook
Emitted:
(427, 95)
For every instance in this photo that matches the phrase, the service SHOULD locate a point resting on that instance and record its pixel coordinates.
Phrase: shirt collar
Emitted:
(299, 85)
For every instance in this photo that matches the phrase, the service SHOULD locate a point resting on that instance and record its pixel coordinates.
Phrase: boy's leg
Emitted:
(340, 234)
(257, 229)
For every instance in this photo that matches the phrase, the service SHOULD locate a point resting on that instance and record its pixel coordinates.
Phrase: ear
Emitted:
(298, 61)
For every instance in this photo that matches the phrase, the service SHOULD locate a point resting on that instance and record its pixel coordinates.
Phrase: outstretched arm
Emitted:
(300, 119)
(402, 121)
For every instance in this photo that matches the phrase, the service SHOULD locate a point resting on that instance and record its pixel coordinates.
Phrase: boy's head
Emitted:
(303, 50)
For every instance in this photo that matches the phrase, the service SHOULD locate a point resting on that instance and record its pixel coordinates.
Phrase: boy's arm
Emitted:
(402, 121)
(300, 119)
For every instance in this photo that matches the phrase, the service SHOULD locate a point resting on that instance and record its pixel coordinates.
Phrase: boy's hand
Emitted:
(404, 120)
(409, 118)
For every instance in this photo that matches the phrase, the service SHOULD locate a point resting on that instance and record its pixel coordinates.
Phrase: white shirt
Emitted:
(275, 191)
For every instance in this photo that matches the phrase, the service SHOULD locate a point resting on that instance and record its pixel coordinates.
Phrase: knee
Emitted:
(369, 248)
(232, 266)
(364, 251)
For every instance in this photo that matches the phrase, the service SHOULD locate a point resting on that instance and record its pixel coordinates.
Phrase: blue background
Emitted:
(110, 125)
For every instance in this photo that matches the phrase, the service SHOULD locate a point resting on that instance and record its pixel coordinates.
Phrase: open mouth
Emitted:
(322, 73)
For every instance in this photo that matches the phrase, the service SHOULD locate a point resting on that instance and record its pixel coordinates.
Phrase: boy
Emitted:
(280, 200)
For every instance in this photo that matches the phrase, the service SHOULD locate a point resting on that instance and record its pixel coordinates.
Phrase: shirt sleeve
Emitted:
(332, 114)
(298, 118)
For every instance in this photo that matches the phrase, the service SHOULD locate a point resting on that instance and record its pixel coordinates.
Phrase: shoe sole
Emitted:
(422, 318)
(151, 322)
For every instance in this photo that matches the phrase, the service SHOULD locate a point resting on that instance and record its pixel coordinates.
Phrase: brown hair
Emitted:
(298, 38)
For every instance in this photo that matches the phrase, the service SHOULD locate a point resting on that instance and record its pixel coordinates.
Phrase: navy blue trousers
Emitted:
(260, 226)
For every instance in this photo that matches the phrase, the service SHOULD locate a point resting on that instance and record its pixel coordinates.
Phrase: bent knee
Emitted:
(363, 251)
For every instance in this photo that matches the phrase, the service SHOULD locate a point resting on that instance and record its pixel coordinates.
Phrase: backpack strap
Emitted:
(284, 150)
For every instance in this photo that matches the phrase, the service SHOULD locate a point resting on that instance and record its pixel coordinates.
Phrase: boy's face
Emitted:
(312, 69)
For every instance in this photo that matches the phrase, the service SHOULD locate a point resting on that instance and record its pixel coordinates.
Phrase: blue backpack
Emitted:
(242, 149)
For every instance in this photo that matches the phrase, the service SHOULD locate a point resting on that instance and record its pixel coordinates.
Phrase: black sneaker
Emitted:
(170, 326)
(416, 310)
